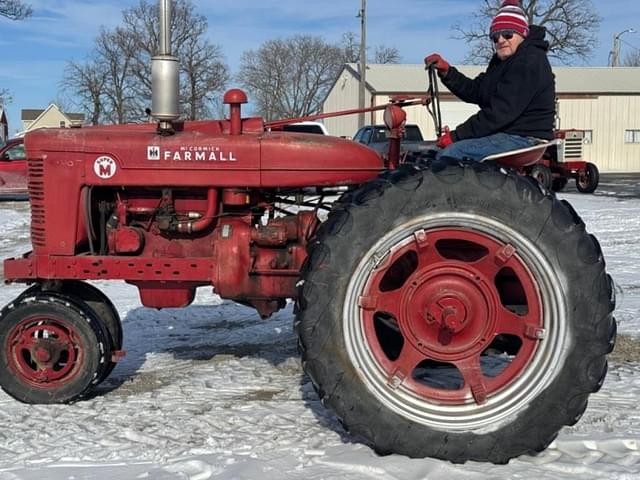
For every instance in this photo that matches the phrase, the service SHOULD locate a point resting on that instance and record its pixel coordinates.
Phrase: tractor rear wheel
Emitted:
(53, 349)
(558, 184)
(462, 315)
(587, 181)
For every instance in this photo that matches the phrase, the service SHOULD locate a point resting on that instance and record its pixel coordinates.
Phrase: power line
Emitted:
(629, 45)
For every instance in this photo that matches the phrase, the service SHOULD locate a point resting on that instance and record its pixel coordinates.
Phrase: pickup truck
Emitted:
(13, 171)
(375, 136)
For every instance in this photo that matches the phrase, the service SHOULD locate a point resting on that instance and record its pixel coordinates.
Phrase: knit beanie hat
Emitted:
(510, 16)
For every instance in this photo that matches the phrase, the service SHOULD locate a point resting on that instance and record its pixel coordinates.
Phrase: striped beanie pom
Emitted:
(510, 16)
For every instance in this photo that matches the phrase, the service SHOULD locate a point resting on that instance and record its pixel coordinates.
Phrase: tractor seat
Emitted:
(523, 156)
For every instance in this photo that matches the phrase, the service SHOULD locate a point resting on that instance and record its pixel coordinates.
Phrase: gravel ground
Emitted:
(627, 350)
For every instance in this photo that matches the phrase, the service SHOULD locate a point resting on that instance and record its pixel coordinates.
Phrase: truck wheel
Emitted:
(542, 174)
(558, 184)
(587, 182)
(101, 305)
(462, 315)
(52, 349)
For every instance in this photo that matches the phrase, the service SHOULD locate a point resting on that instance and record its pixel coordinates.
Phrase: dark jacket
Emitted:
(515, 95)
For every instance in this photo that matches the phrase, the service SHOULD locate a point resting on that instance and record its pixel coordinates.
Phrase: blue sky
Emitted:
(35, 51)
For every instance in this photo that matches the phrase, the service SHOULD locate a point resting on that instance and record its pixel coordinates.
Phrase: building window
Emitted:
(588, 137)
(62, 124)
(632, 136)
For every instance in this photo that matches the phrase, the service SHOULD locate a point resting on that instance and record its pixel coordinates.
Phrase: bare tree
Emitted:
(204, 78)
(571, 28)
(114, 85)
(113, 51)
(15, 9)
(350, 47)
(5, 97)
(87, 82)
(386, 55)
(382, 54)
(632, 59)
(290, 77)
(103, 85)
(203, 69)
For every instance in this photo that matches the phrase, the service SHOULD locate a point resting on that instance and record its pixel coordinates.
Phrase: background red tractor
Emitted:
(459, 312)
(564, 161)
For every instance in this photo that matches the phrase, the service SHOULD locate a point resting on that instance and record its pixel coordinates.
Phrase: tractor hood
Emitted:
(206, 154)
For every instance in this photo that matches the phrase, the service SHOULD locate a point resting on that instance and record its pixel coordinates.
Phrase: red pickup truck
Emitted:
(13, 170)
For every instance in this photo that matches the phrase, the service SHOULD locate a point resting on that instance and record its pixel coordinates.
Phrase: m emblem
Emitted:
(105, 167)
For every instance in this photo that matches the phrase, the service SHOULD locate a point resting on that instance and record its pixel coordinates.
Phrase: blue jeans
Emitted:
(478, 148)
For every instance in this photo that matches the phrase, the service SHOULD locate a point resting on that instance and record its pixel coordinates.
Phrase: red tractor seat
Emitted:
(523, 156)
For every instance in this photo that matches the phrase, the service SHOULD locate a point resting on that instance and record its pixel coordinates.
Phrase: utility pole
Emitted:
(363, 60)
(615, 52)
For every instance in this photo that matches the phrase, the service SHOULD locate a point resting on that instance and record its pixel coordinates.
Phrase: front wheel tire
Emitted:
(94, 299)
(463, 315)
(588, 181)
(53, 349)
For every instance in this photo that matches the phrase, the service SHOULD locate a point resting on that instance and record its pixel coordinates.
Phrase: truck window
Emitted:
(413, 134)
(380, 135)
(303, 128)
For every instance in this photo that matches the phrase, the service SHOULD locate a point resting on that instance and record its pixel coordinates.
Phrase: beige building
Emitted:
(51, 117)
(603, 101)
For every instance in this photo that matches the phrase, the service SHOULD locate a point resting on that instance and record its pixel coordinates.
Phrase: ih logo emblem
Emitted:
(105, 167)
(153, 153)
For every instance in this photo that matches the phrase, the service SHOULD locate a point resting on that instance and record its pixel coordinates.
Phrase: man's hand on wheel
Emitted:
(440, 63)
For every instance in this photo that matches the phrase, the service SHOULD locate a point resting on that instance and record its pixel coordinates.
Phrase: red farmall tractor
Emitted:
(462, 312)
(563, 161)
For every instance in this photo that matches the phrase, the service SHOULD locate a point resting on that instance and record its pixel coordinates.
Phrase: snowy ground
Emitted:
(212, 391)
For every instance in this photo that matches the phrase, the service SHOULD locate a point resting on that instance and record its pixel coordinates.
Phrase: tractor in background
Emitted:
(563, 161)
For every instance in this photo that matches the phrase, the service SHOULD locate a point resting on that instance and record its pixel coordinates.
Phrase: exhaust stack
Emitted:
(165, 76)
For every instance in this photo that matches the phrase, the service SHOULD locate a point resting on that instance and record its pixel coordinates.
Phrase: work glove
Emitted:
(445, 139)
(441, 64)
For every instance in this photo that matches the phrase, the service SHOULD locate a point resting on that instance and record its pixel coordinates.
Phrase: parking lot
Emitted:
(625, 185)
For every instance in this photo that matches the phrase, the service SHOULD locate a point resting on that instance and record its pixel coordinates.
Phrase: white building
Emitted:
(50, 117)
(603, 101)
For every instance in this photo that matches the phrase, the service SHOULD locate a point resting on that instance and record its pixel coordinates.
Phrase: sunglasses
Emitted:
(506, 34)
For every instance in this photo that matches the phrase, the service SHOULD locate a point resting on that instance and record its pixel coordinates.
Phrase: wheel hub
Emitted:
(447, 312)
(43, 353)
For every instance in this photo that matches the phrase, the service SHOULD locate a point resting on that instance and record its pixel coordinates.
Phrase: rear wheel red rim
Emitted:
(447, 295)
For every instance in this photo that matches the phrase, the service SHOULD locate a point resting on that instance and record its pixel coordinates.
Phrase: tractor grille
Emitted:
(573, 146)
(36, 197)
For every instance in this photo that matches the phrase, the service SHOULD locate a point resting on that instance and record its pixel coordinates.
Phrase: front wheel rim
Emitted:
(45, 352)
(416, 309)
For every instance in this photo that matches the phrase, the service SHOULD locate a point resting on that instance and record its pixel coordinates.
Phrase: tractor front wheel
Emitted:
(53, 348)
(94, 299)
(463, 314)
(588, 180)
